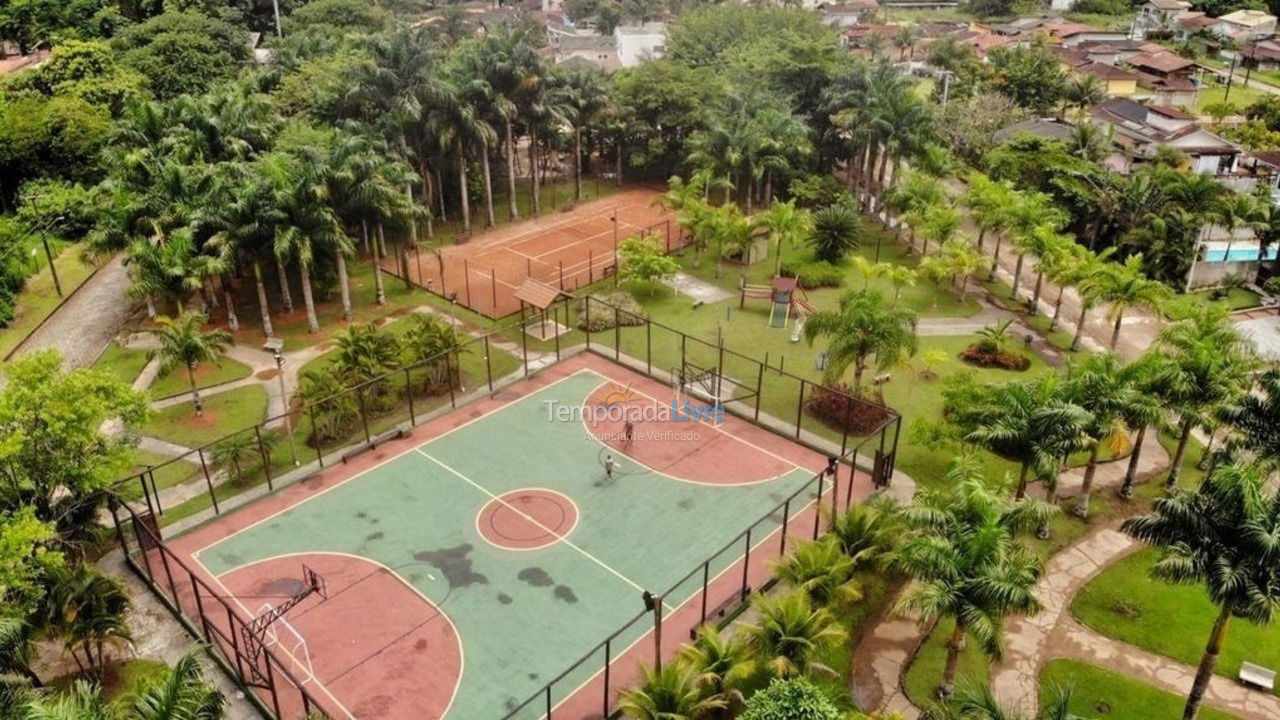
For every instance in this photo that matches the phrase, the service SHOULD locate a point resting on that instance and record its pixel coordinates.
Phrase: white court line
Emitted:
(544, 528)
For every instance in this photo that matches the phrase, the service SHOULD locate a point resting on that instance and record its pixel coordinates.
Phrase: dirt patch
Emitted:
(207, 420)
(268, 374)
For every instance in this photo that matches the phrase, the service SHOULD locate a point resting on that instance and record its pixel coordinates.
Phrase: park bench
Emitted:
(1257, 676)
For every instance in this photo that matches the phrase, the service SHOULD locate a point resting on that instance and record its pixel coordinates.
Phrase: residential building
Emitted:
(1140, 129)
(847, 14)
(1244, 25)
(599, 50)
(1117, 82)
(639, 43)
(1158, 17)
(1261, 55)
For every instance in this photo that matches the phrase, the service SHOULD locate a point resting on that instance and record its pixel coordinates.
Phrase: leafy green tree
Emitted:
(41, 137)
(184, 341)
(341, 15)
(1124, 286)
(672, 693)
(791, 636)
(791, 699)
(1031, 75)
(28, 551)
(1255, 422)
(643, 261)
(863, 326)
(433, 341)
(89, 71)
(1221, 536)
(55, 457)
(785, 225)
(183, 52)
(967, 562)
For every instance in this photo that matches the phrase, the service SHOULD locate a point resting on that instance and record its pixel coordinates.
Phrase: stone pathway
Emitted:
(880, 661)
(1110, 475)
(1053, 633)
(70, 330)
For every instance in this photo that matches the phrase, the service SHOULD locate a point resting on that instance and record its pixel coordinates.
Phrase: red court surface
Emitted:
(380, 648)
(564, 249)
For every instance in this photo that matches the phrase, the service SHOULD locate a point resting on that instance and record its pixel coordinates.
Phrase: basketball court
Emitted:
(564, 249)
(473, 569)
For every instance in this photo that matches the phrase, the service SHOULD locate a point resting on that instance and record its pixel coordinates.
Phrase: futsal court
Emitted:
(564, 249)
(467, 566)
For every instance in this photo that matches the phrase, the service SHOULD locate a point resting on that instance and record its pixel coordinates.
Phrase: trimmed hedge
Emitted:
(811, 274)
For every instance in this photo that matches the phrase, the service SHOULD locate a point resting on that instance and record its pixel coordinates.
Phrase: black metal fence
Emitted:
(364, 416)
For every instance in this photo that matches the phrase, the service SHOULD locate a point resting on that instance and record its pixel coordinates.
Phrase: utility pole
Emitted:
(1231, 74)
(946, 87)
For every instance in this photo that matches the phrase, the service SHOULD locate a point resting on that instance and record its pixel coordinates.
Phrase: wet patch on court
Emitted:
(374, 536)
(535, 576)
(565, 593)
(282, 586)
(455, 564)
(685, 504)
(504, 598)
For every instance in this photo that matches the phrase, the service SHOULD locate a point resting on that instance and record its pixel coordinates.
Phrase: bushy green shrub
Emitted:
(794, 699)
(597, 316)
(812, 274)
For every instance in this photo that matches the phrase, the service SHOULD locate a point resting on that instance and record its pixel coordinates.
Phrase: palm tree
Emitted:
(1208, 367)
(83, 702)
(671, 693)
(17, 650)
(967, 563)
(863, 326)
(1083, 92)
(1145, 410)
(241, 451)
(912, 196)
(1126, 286)
(821, 570)
(1066, 268)
(904, 38)
(790, 635)
(184, 341)
(868, 531)
(1221, 536)
(977, 702)
(785, 224)
(587, 95)
(87, 609)
(722, 665)
(1101, 385)
(988, 202)
(900, 277)
(1032, 216)
(433, 341)
(837, 230)
(1032, 423)
(1254, 421)
(182, 693)
(940, 223)
(962, 261)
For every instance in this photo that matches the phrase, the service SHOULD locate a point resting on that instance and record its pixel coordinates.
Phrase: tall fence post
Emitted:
(466, 280)
(493, 290)
(208, 482)
(608, 658)
(453, 399)
(746, 564)
(800, 408)
(315, 434)
(817, 504)
(524, 344)
(488, 366)
(759, 389)
(617, 333)
(648, 347)
(786, 520)
(586, 313)
(262, 450)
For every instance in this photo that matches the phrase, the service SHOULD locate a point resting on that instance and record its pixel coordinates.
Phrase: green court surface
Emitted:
(524, 614)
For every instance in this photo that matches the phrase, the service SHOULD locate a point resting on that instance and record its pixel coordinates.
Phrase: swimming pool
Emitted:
(1244, 254)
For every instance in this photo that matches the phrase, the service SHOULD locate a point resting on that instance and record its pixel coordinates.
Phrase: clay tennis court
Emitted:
(564, 249)
(487, 555)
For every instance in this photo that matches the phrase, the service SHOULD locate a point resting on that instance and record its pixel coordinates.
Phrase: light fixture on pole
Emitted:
(275, 346)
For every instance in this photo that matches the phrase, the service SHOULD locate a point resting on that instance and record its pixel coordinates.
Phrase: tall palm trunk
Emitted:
(955, 644)
(577, 164)
(380, 292)
(1086, 486)
(151, 307)
(262, 298)
(1084, 316)
(1057, 309)
(308, 300)
(536, 201)
(1017, 276)
(1131, 474)
(1021, 492)
(617, 166)
(424, 172)
(488, 184)
(982, 233)
(995, 258)
(513, 209)
(344, 286)
(285, 296)
(195, 391)
(233, 321)
(1115, 331)
(462, 179)
(1175, 465)
(1035, 294)
(1207, 663)
(444, 212)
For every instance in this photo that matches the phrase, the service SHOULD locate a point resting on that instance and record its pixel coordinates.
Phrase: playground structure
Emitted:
(786, 296)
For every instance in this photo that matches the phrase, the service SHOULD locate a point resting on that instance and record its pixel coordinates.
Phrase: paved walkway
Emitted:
(1053, 633)
(85, 324)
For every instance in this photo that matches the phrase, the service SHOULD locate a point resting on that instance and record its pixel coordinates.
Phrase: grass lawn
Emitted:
(223, 413)
(1126, 603)
(122, 363)
(39, 298)
(1102, 694)
(1238, 298)
(167, 473)
(207, 375)
(925, 673)
(1241, 96)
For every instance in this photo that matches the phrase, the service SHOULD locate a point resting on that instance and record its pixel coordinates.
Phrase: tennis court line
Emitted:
(526, 516)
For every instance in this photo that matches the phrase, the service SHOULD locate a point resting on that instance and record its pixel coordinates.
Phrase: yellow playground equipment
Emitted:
(786, 296)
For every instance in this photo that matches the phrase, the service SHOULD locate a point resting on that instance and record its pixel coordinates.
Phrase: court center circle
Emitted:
(527, 519)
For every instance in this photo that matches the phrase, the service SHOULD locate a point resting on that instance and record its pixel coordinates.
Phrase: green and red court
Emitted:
(469, 565)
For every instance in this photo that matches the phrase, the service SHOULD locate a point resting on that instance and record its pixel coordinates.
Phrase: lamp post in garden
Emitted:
(275, 345)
